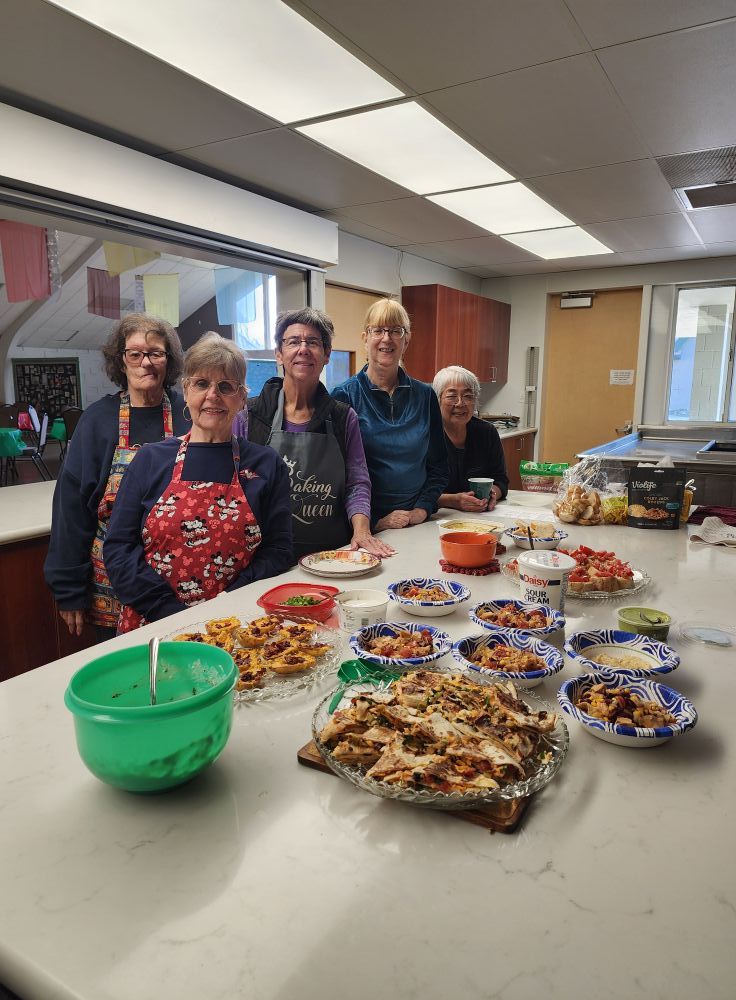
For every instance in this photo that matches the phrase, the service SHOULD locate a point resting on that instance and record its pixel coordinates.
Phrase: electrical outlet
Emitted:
(522, 397)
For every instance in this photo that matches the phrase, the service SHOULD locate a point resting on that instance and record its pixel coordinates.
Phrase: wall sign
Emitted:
(622, 376)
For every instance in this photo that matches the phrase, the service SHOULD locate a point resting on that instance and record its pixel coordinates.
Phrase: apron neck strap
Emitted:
(181, 454)
(278, 417)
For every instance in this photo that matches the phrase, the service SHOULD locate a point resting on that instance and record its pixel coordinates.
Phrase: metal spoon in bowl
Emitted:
(152, 665)
(530, 536)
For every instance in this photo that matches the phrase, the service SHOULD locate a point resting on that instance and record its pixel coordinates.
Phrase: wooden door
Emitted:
(581, 408)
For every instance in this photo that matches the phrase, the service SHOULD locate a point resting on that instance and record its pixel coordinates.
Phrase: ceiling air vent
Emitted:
(706, 179)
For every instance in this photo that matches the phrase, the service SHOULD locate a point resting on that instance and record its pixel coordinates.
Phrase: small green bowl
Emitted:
(645, 621)
(127, 742)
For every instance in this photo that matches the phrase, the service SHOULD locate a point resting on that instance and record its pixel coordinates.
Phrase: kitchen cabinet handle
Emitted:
(494, 370)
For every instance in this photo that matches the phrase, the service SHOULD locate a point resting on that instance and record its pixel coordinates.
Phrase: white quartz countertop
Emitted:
(266, 880)
(515, 431)
(25, 511)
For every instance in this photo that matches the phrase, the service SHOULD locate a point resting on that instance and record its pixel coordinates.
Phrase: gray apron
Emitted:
(317, 474)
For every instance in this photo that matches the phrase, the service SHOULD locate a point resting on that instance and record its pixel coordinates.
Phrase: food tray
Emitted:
(641, 582)
(285, 685)
(556, 742)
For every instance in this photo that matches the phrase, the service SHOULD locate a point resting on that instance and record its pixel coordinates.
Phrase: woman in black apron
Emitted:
(318, 439)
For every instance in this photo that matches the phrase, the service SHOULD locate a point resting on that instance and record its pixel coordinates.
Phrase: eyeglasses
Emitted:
(293, 343)
(394, 332)
(135, 358)
(224, 387)
(453, 397)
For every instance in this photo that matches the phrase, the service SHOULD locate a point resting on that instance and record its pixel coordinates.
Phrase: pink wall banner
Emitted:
(25, 261)
(103, 293)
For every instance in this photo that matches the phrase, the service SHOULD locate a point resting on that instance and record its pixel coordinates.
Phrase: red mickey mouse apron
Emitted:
(198, 536)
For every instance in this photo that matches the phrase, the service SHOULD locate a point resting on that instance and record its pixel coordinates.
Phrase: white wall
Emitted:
(94, 382)
(527, 295)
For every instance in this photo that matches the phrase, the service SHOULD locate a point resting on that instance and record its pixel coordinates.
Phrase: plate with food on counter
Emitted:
(441, 740)
(636, 712)
(506, 613)
(509, 655)
(602, 650)
(599, 575)
(339, 562)
(428, 598)
(400, 645)
(275, 656)
(535, 534)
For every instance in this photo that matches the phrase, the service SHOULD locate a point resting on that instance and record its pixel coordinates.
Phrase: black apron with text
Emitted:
(317, 474)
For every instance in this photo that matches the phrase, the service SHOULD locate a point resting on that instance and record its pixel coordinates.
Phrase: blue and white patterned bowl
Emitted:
(629, 736)
(428, 609)
(440, 640)
(555, 618)
(463, 649)
(521, 541)
(660, 659)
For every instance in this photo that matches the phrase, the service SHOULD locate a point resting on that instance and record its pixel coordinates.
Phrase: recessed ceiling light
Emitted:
(409, 146)
(260, 52)
(505, 208)
(552, 244)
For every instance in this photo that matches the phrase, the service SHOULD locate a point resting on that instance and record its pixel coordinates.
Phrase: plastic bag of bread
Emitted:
(578, 499)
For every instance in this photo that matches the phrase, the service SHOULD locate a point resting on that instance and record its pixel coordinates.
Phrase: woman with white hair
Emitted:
(473, 446)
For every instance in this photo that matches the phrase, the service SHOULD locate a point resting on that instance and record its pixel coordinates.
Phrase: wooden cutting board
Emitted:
(501, 818)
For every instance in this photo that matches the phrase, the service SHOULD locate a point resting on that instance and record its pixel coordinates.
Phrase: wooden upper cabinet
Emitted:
(450, 327)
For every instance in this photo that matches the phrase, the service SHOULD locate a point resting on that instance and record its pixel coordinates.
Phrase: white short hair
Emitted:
(452, 374)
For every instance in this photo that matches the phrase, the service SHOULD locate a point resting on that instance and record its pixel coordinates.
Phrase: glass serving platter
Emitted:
(553, 745)
(641, 582)
(284, 685)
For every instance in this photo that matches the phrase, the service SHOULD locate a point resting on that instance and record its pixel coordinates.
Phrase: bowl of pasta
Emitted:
(508, 655)
(626, 711)
(519, 616)
(428, 598)
(400, 645)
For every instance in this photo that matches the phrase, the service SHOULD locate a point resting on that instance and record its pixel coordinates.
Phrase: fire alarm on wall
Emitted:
(576, 300)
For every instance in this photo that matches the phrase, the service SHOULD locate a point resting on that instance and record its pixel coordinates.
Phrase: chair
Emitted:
(70, 415)
(35, 453)
(9, 415)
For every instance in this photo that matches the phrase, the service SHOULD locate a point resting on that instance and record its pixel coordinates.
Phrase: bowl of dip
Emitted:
(645, 621)
(358, 608)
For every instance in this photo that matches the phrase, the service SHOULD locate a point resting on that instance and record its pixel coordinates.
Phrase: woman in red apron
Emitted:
(143, 356)
(205, 514)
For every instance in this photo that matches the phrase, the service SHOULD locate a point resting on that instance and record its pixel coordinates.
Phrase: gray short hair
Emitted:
(315, 318)
(213, 351)
(456, 373)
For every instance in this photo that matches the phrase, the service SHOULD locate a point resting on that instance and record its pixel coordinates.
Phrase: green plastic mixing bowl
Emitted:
(126, 741)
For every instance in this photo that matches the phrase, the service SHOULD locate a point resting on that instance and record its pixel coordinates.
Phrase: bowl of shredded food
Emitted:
(633, 712)
(428, 598)
(506, 613)
(598, 651)
(508, 655)
(400, 645)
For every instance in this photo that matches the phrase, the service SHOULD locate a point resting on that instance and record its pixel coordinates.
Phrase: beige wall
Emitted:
(347, 308)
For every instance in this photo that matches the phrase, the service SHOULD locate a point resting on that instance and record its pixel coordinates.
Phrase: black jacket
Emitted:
(262, 408)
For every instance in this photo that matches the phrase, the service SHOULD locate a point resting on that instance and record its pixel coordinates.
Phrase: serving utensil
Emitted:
(152, 665)
(358, 670)
(529, 536)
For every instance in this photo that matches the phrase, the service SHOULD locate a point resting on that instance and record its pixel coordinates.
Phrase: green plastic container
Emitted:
(645, 621)
(127, 742)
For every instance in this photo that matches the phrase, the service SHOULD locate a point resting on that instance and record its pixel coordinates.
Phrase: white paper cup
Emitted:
(357, 608)
(543, 577)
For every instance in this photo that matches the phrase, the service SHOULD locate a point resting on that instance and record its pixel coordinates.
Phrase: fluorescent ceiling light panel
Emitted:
(552, 244)
(260, 52)
(409, 146)
(507, 208)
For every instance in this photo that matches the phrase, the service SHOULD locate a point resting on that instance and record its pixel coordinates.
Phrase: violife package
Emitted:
(655, 497)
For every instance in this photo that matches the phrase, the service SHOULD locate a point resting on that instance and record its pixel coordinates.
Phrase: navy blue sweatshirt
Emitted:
(148, 475)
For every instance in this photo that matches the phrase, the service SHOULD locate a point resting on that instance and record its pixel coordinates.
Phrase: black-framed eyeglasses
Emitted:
(135, 358)
(394, 332)
(225, 387)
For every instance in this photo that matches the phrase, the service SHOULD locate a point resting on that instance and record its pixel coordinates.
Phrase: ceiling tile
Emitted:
(559, 116)
(607, 23)
(483, 272)
(93, 79)
(602, 194)
(416, 220)
(485, 251)
(656, 232)
(428, 49)
(288, 164)
(715, 225)
(679, 88)
(362, 229)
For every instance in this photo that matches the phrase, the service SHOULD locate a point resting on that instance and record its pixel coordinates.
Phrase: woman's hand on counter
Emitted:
(465, 501)
(74, 621)
(363, 539)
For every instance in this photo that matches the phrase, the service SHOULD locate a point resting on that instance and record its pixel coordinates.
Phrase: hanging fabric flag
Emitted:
(235, 294)
(139, 296)
(25, 261)
(162, 296)
(120, 258)
(103, 293)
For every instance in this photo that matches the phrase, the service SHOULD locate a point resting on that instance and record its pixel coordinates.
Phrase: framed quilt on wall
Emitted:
(49, 384)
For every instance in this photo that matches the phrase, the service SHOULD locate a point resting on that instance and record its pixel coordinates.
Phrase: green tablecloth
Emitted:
(57, 431)
(11, 442)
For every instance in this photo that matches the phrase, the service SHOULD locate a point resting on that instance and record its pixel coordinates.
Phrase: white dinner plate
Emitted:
(339, 563)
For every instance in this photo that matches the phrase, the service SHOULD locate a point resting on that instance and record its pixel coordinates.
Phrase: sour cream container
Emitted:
(543, 576)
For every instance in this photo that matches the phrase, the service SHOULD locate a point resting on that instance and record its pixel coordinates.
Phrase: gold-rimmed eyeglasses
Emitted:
(394, 332)
(225, 387)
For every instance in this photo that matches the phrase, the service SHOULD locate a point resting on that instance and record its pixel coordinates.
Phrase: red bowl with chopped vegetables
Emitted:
(300, 600)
